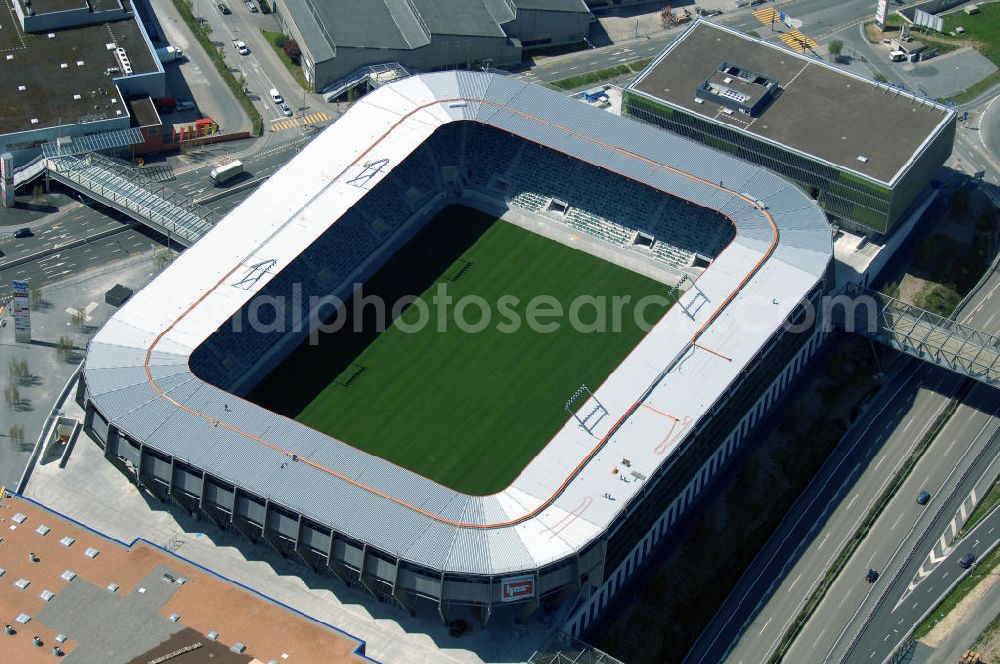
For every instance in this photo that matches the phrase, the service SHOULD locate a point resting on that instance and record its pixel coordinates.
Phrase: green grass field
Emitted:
(468, 410)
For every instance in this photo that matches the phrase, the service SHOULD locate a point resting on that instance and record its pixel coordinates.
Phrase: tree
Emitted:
(161, 259)
(36, 298)
(12, 395)
(64, 346)
(292, 50)
(16, 435)
(667, 17)
(79, 318)
(836, 47)
(18, 371)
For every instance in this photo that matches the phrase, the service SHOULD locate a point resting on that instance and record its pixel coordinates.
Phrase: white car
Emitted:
(276, 96)
(241, 47)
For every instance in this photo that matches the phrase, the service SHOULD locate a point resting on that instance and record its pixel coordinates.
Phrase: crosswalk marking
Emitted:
(288, 123)
(797, 41)
(767, 15)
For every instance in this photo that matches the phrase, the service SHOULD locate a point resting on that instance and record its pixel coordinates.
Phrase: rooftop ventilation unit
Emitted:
(68, 575)
(63, 66)
(19, 518)
(111, 46)
(51, 35)
(21, 88)
(91, 553)
(22, 584)
(77, 98)
(123, 61)
(34, 121)
(68, 541)
(79, 63)
(10, 56)
(43, 530)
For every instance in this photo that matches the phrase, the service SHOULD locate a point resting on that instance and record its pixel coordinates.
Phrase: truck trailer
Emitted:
(223, 173)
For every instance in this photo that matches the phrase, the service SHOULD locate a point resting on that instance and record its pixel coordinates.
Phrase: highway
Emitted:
(923, 569)
(771, 593)
(762, 606)
(965, 435)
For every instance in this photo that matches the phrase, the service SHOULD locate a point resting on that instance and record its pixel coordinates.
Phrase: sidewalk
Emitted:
(32, 211)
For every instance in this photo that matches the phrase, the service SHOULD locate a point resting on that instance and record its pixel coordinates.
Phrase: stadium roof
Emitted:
(821, 111)
(137, 366)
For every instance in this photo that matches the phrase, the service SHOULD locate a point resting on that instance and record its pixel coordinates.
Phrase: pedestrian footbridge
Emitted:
(921, 333)
(119, 186)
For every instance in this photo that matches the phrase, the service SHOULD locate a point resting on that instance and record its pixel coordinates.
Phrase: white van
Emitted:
(276, 96)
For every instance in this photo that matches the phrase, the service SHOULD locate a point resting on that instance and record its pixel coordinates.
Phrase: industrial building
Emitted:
(339, 38)
(67, 70)
(863, 150)
(164, 379)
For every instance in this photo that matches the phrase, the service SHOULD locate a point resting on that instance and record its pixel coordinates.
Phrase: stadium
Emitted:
(494, 470)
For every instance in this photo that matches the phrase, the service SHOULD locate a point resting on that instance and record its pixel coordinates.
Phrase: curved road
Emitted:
(989, 128)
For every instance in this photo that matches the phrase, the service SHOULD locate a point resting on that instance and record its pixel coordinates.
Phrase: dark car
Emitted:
(923, 497)
(871, 576)
(23, 232)
(224, 9)
(965, 562)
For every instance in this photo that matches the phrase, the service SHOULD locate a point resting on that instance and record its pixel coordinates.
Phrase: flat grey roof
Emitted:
(553, 5)
(375, 23)
(399, 24)
(53, 6)
(820, 110)
(37, 63)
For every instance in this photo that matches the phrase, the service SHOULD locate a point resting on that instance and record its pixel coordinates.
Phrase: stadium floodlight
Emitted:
(596, 411)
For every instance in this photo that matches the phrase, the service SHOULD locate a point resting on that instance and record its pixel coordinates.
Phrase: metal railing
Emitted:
(926, 335)
(126, 189)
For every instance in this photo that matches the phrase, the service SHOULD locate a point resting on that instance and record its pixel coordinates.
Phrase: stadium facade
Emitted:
(162, 380)
(338, 38)
(864, 150)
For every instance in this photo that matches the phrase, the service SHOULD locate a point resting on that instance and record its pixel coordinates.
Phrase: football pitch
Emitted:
(467, 400)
